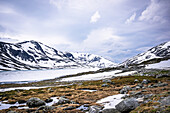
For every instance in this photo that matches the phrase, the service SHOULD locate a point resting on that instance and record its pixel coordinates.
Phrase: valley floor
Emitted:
(150, 88)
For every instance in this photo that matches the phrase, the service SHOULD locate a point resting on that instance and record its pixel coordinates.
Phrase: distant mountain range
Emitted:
(153, 55)
(29, 55)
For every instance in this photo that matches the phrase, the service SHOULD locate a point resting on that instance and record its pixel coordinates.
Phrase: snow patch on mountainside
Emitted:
(98, 76)
(160, 65)
(32, 54)
(93, 60)
(161, 51)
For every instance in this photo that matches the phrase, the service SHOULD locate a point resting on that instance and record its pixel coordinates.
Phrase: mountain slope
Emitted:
(153, 55)
(35, 55)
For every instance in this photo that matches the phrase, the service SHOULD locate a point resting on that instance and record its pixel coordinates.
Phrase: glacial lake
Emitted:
(37, 75)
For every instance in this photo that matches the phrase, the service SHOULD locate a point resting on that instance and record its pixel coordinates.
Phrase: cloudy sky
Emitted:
(114, 29)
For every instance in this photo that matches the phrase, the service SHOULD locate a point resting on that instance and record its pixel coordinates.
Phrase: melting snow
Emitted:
(111, 101)
(6, 106)
(98, 76)
(22, 88)
(160, 65)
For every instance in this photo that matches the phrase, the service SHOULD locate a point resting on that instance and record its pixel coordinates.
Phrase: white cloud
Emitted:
(104, 42)
(155, 12)
(58, 3)
(131, 19)
(95, 17)
(6, 10)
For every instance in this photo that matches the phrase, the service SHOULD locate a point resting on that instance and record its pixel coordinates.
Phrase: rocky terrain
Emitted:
(146, 91)
(143, 90)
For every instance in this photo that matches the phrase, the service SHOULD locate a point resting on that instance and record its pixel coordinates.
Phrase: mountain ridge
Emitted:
(36, 55)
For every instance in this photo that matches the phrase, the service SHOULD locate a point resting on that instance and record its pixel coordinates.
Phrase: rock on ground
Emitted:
(127, 105)
(166, 101)
(95, 109)
(110, 111)
(45, 109)
(35, 102)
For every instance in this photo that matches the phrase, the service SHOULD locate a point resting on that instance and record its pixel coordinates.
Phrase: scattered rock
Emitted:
(107, 81)
(138, 93)
(113, 77)
(127, 105)
(35, 102)
(45, 109)
(105, 85)
(140, 85)
(145, 81)
(63, 100)
(13, 107)
(163, 84)
(50, 90)
(155, 85)
(69, 108)
(148, 100)
(132, 93)
(113, 83)
(110, 111)
(144, 90)
(125, 89)
(160, 76)
(48, 100)
(95, 109)
(137, 87)
(21, 101)
(166, 101)
(136, 81)
(84, 107)
(150, 86)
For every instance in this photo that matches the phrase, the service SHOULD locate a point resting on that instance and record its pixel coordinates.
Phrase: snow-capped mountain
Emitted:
(35, 55)
(153, 55)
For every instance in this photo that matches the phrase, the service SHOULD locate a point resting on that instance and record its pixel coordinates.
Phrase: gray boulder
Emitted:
(63, 100)
(162, 84)
(95, 109)
(48, 100)
(69, 108)
(125, 89)
(107, 81)
(105, 85)
(127, 105)
(145, 81)
(84, 107)
(21, 101)
(163, 75)
(35, 102)
(112, 110)
(166, 101)
(45, 109)
(136, 81)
